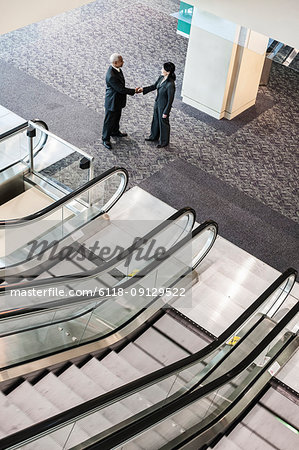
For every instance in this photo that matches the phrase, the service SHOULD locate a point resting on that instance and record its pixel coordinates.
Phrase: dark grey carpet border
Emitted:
(33, 99)
(247, 223)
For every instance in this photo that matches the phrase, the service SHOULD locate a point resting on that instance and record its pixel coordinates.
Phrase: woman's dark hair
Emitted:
(170, 67)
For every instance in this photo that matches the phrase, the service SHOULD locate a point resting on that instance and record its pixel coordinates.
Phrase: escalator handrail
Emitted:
(40, 145)
(44, 212)
(145, 381)
(41, 307)
(125, 286)
(242, 394)
(106, 265)
(152, 418)
(17, 130)
(14, 130)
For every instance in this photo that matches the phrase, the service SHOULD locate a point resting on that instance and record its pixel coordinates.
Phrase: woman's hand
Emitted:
(164, 116)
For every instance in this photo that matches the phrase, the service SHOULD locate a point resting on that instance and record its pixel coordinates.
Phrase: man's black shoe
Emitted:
(161, 146)
(107, 144)
(149, 139)
(119, 134)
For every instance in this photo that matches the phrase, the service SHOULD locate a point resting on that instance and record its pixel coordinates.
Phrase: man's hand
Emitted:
(164, 116)
(138, 90)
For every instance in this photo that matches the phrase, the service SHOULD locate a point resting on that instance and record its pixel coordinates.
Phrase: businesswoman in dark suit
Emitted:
(165, 85)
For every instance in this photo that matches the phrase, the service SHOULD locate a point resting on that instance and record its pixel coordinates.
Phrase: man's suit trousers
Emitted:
(111, 124)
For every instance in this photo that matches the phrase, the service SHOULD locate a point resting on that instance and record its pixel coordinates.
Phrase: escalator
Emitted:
(272, 422)
(218, 401)
(123, 292)
(186, 404)
(45, 194)
(55, 224)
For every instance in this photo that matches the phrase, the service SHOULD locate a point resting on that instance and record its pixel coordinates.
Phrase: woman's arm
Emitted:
(151, 88)
(170, 98)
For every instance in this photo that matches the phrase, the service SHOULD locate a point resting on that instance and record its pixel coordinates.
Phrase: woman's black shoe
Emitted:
(149, 139)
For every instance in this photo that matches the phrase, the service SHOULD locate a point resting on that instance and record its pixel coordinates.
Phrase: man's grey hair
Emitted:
(114, 57)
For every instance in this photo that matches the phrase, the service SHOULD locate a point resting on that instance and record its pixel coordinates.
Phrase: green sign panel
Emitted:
(185, 18)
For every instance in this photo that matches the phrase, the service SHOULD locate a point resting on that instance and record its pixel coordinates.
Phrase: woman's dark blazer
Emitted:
(165, 94)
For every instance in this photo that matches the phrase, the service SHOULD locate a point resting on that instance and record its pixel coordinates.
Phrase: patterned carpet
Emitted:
(65, 59)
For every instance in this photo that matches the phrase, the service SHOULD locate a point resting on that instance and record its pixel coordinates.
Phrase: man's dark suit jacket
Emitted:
(116, 91)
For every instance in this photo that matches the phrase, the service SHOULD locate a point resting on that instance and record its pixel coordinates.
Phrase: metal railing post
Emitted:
(91, 169)
(91, 175)
(31, 133)
(87, 163)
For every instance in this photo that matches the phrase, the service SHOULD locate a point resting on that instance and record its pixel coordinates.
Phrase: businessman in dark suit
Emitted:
(115, 99)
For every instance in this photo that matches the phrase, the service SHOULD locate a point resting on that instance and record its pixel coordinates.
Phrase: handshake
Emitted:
(138, 90)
